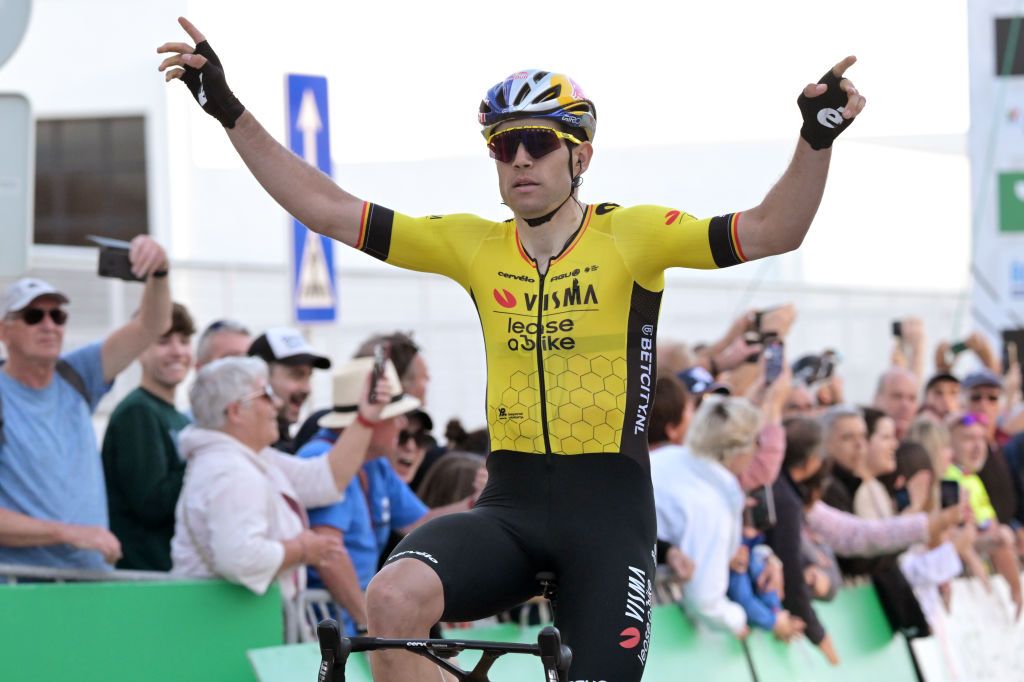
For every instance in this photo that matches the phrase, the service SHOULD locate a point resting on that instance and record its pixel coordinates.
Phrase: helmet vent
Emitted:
(549, 94)
(540, 75)
(521, 96)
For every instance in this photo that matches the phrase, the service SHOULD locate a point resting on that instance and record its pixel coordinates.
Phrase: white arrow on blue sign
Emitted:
(314, 289)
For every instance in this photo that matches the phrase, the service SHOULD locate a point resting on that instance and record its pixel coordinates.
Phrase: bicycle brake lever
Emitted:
(333, 652)
(555, 657)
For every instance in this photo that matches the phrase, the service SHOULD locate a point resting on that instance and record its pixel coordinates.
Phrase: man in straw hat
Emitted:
(376, 502)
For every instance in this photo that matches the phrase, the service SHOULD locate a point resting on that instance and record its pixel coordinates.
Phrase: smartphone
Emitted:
(829, 360)
(1013, 343)
(761, 515)
(114, 261)
(897, 329)
(958, 348)
(902, 498)
(949, 494)
(774, 358)
(381, 354)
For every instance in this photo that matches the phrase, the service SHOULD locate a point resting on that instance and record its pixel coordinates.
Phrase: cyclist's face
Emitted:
(532, 187)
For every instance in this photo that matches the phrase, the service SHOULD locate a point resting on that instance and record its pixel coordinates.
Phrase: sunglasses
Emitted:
(538, 140)
(267, 392)
(419, 438)
(33, 316)
(978, 397)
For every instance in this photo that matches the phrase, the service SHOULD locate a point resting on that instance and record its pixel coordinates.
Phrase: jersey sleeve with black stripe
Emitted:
(443, 244)
(652, 239)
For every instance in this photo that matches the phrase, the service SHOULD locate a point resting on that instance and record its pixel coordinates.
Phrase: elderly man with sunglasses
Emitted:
(53, 503)
(568, 297)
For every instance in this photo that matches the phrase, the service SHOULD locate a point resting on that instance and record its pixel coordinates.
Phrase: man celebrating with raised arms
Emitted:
(568, 297)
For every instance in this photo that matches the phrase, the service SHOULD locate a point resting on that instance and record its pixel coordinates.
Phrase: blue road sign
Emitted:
(314, 290)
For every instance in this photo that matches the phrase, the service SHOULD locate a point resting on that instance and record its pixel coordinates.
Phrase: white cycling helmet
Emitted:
(539, 94)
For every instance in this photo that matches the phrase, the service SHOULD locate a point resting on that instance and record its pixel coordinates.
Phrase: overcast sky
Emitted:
(658, 71)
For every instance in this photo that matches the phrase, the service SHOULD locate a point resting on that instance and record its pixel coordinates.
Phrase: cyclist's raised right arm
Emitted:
(300, 189)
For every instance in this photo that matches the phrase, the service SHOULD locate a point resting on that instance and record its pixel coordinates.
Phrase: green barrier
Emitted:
(679, 650)
(676, 645)
(862, 637)
(153, 631)
(300, 663)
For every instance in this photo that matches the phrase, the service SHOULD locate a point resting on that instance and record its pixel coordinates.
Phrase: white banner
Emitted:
(996, 46)
(977, 640)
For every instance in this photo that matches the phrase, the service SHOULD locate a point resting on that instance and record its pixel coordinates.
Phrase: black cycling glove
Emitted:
(823, 115)
(210, 88)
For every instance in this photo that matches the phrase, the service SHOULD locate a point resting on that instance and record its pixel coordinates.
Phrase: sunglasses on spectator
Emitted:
(266, 392)
(978, 397)
(538, 140)
(33, 316)
(418, 437)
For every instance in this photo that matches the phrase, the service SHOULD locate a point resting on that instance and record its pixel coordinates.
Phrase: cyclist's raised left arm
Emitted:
(779, 223)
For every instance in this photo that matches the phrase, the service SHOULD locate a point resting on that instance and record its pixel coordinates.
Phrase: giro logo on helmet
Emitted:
(830, 118)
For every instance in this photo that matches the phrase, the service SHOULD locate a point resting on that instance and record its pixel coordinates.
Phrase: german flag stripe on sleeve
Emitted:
(724, 240)
(375, 235)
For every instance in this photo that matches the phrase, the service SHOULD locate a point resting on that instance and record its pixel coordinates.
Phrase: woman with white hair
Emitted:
(699, 502)
(241, 514)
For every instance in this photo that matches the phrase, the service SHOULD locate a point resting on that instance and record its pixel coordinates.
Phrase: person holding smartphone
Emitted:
(53, 503)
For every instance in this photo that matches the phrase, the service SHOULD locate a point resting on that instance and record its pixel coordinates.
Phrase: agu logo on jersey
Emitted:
(505, 298)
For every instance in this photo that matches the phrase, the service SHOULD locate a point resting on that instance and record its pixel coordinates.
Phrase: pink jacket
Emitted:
(852, 536)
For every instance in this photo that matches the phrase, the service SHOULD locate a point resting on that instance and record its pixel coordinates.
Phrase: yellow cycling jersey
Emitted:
(570, 353)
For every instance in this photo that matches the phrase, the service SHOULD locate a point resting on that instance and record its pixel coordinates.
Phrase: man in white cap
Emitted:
(291, 360)
(53, 504)
(376, 502)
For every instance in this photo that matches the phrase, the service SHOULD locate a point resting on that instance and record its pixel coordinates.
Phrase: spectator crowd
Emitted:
(773, 488)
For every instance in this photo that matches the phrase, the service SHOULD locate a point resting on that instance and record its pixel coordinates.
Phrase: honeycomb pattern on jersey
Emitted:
(586, 398)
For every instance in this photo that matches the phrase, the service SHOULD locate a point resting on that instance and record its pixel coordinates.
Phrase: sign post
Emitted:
(17, 161)
(314, 289)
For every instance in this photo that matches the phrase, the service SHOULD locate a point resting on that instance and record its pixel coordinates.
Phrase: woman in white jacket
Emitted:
(241, 514)
(699, 503)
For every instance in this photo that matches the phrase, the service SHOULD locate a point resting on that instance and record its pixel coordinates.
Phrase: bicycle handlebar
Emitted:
(334, 650)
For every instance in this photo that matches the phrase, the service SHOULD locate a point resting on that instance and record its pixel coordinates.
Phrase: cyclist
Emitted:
(568, 297)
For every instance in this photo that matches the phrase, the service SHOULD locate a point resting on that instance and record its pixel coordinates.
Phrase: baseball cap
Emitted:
(27, 289)
(939, 378)
(287, 346)
(982, 377)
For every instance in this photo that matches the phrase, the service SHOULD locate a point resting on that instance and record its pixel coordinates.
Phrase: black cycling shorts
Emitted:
(589, 519)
